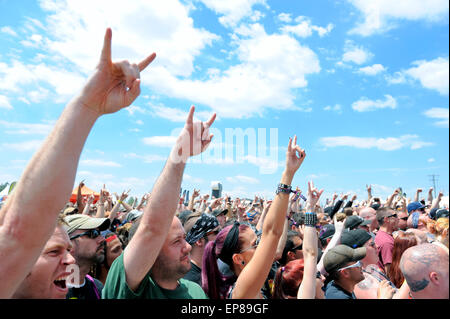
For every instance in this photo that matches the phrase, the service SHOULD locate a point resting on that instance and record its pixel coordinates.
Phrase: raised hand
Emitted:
(193, 139)
(294, 161)
(113, 85)
(313, 196)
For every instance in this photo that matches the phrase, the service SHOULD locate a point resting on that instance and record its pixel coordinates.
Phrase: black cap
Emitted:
(218, 212)
(355, 238)
(354, 221)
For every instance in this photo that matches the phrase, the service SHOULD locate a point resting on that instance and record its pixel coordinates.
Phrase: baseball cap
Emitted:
(218, 212)
(79, 221)
(355, 238)
(326, 231)
(183, 216)
(354, 221)
(414, 206)
(340, 255)
(133, 215)
(441, 213)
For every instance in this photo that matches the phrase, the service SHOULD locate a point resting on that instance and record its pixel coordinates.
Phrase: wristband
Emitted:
(283, 188)
(310, 219)
(119, 201)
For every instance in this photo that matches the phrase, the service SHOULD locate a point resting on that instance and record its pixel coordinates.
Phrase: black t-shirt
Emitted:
(334, 291)
(195, 274)
(92, 289)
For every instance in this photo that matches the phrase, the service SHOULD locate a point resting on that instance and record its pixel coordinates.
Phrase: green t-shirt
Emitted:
(116, 287)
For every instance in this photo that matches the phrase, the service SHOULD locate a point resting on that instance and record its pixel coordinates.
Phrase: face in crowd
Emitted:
(89, 248)
(173, 259)
(47, 279)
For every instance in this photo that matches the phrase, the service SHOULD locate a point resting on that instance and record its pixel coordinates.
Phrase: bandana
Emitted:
(202, 226)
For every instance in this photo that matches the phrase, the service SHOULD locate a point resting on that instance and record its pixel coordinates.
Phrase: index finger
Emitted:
(144, 63)
(106, 50)
(190, 117)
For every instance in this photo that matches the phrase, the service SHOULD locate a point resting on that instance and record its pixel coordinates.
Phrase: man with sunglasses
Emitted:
(388, 220)
(88, 249)
(344, 267)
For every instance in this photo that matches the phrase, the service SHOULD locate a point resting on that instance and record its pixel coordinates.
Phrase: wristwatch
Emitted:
(283, 188)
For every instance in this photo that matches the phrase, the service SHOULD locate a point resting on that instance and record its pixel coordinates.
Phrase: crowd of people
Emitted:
(288, 247)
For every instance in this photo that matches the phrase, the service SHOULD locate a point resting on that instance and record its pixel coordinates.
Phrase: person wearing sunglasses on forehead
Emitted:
(88, 249)
(388, 220)
(344, 267)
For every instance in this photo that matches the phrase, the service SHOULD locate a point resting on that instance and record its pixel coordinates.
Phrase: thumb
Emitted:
(133, 92)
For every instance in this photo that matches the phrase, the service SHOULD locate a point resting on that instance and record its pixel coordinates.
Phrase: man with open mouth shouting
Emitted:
(47, 278)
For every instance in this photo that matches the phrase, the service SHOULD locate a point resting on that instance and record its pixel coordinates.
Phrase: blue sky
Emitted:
(363, 84)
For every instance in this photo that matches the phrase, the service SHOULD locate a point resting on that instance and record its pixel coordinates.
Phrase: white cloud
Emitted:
(101, 163)
(285, 17)
(271, 66)
(8, 30)
(438, 113)
(336, 108)
(25, 146)
(356, 54)
(192, 179)
(26, 128)
(382, 15)
(232, 11)
(431, 74)
(431, 160)
(242, 179)
(372, 70)
(18, 75)
(4, 103)
(160, 141)
(305, 28)
(383, 144)
(365, 105)
(146, 158)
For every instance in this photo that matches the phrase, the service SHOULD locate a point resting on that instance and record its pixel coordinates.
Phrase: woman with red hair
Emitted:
(403, 241)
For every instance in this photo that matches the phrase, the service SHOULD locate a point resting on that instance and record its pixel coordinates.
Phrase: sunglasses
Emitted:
(212, 232)
(358, 264)
(299, 247)
(393, 215)
(404, 218)
(253, 246)
(93, 233)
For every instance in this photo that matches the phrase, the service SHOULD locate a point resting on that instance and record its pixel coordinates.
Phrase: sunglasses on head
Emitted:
(92, 233)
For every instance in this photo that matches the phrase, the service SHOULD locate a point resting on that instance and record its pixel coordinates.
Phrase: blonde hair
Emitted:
(440, 229)
(340, 217)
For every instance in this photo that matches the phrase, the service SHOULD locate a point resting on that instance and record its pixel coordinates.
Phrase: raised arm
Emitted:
(335, 240)
(307, 289)
(252, 277)
(143, 249)
(53, 167)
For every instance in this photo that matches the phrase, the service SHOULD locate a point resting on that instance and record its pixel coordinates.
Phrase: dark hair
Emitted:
(288, 280)
(214, 283)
